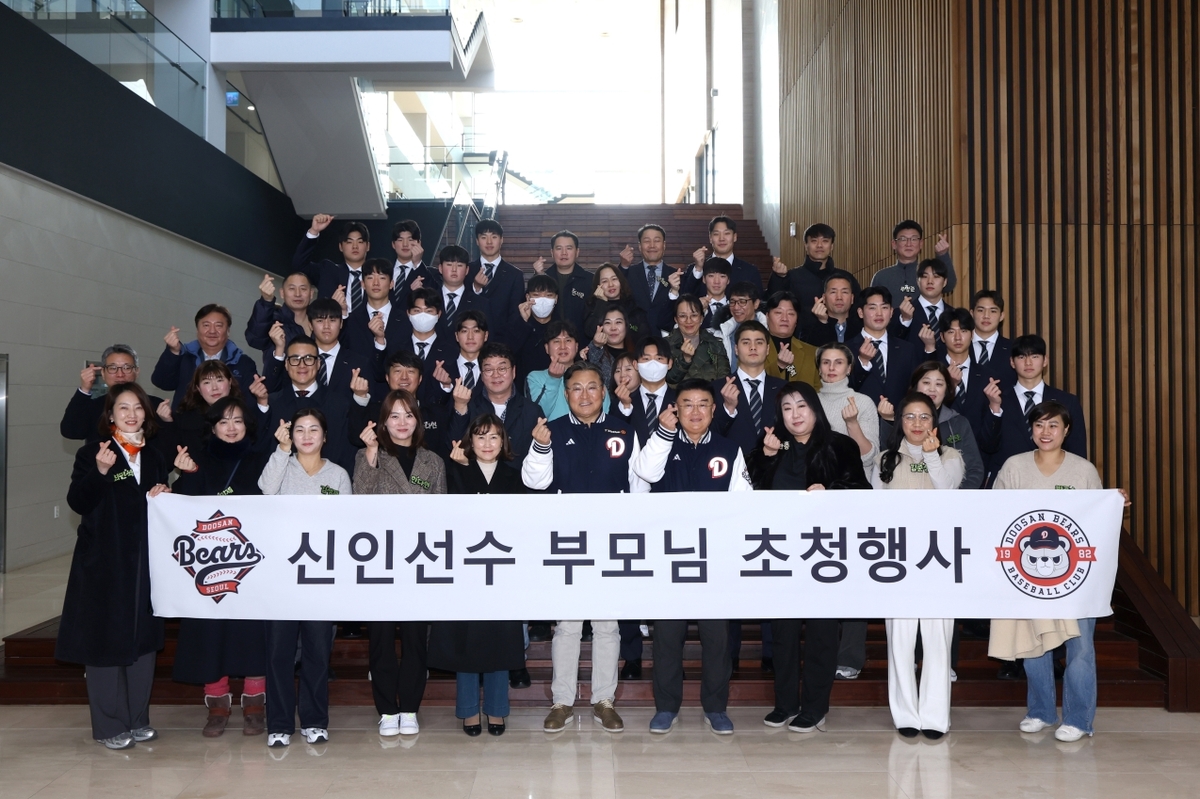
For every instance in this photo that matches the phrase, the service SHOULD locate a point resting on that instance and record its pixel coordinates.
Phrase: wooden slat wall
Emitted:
(1059, 141)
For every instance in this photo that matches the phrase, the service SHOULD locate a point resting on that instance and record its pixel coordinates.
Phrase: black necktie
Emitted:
(651, 280)
(398, 286)
(323, 370)
(356, 291)
(983, 353)
(1028, 402)
(932, 313)
(451, 304)
(421, 353)
(878, 362)
(651, 408)
(469, 380)
(487, 270)
(755, 400)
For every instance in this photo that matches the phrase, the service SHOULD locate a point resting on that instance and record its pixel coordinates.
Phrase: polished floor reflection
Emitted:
(47, 752)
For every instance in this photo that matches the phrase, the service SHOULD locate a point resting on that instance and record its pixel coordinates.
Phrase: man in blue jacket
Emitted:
(175, 366)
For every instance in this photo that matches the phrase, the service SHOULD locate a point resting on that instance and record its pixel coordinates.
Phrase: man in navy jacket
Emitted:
(175, 366)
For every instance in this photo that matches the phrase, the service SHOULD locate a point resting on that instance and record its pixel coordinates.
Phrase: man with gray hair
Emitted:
(80, 419)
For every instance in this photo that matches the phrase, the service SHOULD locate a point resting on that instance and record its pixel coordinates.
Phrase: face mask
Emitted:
(542, 306)
(652, 371)
(423, 322)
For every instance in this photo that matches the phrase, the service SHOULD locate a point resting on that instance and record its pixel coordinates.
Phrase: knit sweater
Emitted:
(920, 469)
(834, 397)
(283, 474)
(1021, 471)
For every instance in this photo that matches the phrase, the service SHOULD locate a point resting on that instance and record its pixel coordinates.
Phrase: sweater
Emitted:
(1021, 471)
(834, 397)
(920, 469)
(283, 474)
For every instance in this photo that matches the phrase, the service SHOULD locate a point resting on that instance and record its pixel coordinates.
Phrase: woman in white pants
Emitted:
(915, 459)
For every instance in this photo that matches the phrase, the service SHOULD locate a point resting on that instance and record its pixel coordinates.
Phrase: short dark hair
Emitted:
(293, 272)
(488, 226)
(907, 224)
(481, 424)
(302, 339)
(324, 308)
(644, 228)
(780, 297)
(883, 292)
(750, 326)
(316, 413)
(213, 307)
(819, 230)
(454, 253)
(558, 327)
(936, 264)
(721, 219)
(1049, 409)
(744, 288)
(216, 412)
(987, 294)
(687, 299)
(355, 227)
(381, 266)
(1028, 344)
(934, 366)
(472, 315)
(149, 426)
(385, 410)
(431, 296)
(960, 315)
(660, 344)
(406, 226)
(406, 358)
(561, 234)
(696, 384)
(192, 398)
(497, 349)
(717, 266)
(837, 274)
(581, 366)
(542, 283)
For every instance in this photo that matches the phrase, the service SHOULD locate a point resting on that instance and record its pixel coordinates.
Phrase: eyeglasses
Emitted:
(491, 371)
(912, 417)
(740, 301)
(908, 239)
(296, 360)
(119, 369)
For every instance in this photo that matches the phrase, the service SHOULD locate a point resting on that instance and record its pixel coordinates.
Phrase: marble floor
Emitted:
(33, 594)
(47, 752)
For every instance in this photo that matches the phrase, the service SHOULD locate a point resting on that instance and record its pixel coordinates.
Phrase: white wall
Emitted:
(762, 115)
(76, 276)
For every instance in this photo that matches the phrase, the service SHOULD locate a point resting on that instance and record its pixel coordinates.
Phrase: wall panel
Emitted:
(1058, 142)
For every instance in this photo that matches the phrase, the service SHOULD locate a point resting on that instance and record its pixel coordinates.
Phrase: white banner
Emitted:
(843, 554)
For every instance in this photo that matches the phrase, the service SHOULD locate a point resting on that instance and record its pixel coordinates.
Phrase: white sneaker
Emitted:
(389, 725)
(279, 739)
(315, 735)
(1067, 733)
(1030, 724)
(953, 675)
(644, 629)
(408, 724)
(846, 673)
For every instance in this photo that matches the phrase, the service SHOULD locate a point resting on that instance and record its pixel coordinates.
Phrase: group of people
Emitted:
(393, 376)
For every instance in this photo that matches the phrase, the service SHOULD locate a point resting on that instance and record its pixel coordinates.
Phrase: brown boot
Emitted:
(254, 714)
(218, 714)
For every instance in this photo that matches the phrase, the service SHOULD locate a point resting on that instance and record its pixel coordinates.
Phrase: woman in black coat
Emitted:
(107, 623)
(472, 648)
(209, 650)
(806, 455)
(186, 425)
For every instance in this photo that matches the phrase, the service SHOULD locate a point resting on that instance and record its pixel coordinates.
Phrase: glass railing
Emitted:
(243, 9)
(125, 40)
(460, 223)
(245, 140)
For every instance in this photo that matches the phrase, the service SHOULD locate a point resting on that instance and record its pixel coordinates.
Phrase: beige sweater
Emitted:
(920, 469)
(834, 397)
(1021, 471)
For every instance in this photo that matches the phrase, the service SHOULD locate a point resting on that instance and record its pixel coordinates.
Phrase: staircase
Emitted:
(604, 230)
(30, 675)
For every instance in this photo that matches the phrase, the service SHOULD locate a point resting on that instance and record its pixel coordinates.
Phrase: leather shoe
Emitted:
(495, 729)
(586, 635)
(632, 670)
(909, 732)
(768, 665)
(539, 631)
(1010, 670)
(519, 678)
(473, 730)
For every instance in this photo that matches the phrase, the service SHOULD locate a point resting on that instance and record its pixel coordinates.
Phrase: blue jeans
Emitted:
(495, 694)
(1079, 682)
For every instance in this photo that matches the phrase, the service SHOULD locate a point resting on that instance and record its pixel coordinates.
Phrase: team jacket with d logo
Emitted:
(671, 462)
(585, 458)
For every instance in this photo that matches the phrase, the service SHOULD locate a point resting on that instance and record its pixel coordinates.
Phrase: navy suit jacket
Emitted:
(357, 335)
(660, 308)
(911, 333)
(325, 274)
(1009, 434)
(901, 359)
(504, 293)
(642, 426)
(999, 363)
(340, 371)
(401, 290)
(739, 271)
(741, 429)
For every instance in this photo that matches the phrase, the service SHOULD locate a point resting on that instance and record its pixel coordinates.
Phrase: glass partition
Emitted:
(125, 40)
(243, 9)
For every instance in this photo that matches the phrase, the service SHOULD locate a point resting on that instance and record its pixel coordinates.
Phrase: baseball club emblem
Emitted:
(1045, 554)
(217, 555)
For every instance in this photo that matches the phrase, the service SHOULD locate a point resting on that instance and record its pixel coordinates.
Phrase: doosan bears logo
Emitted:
(217, 555)
(1045, 554)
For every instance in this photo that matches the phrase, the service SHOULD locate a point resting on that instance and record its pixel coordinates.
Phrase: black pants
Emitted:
(398, 686)
(316, 645)
(735, 640)
(853, 649)
(820, 665)
(715, 666)
(119, 696)
(631, 640)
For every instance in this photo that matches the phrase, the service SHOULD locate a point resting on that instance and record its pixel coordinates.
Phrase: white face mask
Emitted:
(423, 322)
(652, 371)
(543, 306)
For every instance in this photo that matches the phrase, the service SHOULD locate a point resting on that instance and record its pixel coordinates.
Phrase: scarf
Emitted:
(131, 446)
